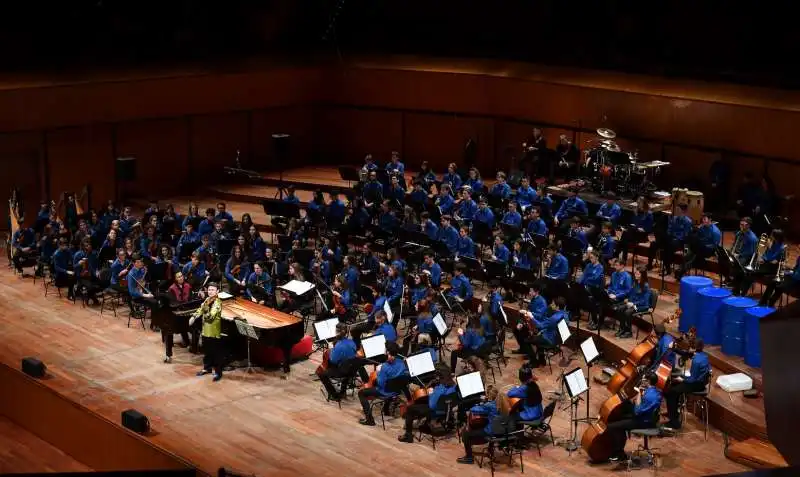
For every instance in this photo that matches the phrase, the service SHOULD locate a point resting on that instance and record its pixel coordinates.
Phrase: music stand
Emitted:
(576, 384)
(249, 332)
(349, 174)
(590, 355)
(279, 208)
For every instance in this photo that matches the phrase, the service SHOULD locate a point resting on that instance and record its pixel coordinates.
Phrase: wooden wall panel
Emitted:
(215, 139)
(79, 156)
(440, 140)
(161, 149)
(21, 162)
(295, 121)
(345, 136)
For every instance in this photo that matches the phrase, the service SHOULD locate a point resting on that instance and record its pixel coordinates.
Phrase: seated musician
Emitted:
(394, 370)
(645, 415)
(206, 226)
(423, 324)
(223, 215)
(573, 206)
(237, 271)
(63, 266)
(786, 284)
(576, 231)
(331, 251)
(112, 241)
(474, 180)
(394, 286)
(369, 164)
(500, 189)
(336, 209)
(767, 263)
(593, 276)
(179, 292)
(419, 195)
(548, 332)
(471, 342)
(119, 270)
(544, 201)
(350, 273)
(420, 289)
(387, 221)
(254, 240)
(136, 284)
(195, 271)
(448, 234)
(396, 260)
(526, 195)
(428, 226)
(484, 214)
(445, 200)
(383, 327)
(610, 211)
(291, 196)
(704, 243)
(512, 217)
(86, 264)
(537, 307)
(699, 374)
(452, 177)
(429, 407)
(425, 176)
(530, 394)
(520, 258)
(193, 214)
(369, 324)
(211, 315)
(342, 363)
(608, 243)
(619, 287)
(747, 246)
(373, 191)
(493, 313)
(637, 301)
(536, 225)
(559, 265)
(664, 351)
(189, 236)
(24, 243)
(460, 287)
(320, 266)
(259, 285)
(410, 221)
(641, 226)
(678, 229)
(47, 246)
(433, 268)
(395, 192)
(497, 410)
(500, 252)
(466, 246)
(342, 294)
(467, 208)
(317, 202)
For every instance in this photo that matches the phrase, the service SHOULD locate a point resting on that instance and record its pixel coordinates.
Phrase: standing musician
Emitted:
(119, 271)
(237, 270)
(638, 300)
(767, 263)
(529, 393)
(533, 150)
(86, 265)
(471, 342)
(645, 415)
(568, 156)
(63, 266)
(697, 380)
(259, 285)
(639, 229)
(342, 363)
(678, 229)
(497, 410)
(393, 374)
(211, 314)
(429, 407)
(782, 284)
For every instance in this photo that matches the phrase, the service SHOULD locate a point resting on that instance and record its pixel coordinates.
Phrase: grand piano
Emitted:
(274, 328)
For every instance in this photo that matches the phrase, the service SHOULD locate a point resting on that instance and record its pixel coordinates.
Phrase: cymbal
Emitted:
(606, 133)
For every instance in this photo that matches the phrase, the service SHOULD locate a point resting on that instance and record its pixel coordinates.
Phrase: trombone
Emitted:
(755, 261)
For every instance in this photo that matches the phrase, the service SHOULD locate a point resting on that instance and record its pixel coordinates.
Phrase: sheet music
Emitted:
(589, 350)
(470, 384)
(326, 329)
(246, 329)
(388, 310)
(297, 287)
(563, 330)
(321, 300)
(576, 382)
(224, 295)
(419, 364)
(374, 346)
(440, 325)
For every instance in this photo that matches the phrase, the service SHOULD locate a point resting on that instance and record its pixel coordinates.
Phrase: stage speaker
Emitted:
(33, 367)
(126, 169)
(280, 146)
(135, 421)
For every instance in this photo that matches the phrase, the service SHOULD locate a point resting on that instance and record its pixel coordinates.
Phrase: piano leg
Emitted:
(286, 348)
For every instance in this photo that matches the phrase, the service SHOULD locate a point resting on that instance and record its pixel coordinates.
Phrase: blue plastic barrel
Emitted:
(752, 335)
(733, 313)
(690, 285)
(709, 305)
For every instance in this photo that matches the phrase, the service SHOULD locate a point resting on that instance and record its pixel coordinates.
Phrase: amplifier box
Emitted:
(33, 367)
(135, 421)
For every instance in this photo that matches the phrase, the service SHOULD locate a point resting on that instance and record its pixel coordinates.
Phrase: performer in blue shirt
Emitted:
(548, 331)
(466, 246)
(259, 285)
(789, 283)
(610, 211)
(471, 342)
(572, 207)
(638, 301)
(430, 407)
(678, 230)
(607, 243)
(619, 287)
(433, 269)
(497, 410)
(536, 225)
(500, 252)
(664, 351)
(342, 363)
(474, 180)
(512, 217)
(699, 374)
(593, 275)
(645, 415)
(383, 327)
(451, 177)
(395, 166)
(484, 213)
(460, 287)
(702, 244)
(448, 234)
(390, 380)
(520, 257)
(445, 200)
(526, 194)
(500, 189)
(766, 265)
(62, 265)
(537, 308)
(559, 265)
(531, 407)
(467, 208)
(576, 232)
(639, 228)
(425, 177)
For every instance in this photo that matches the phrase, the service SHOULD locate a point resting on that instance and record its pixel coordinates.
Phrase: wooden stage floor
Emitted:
(262, 424)
(23, 452)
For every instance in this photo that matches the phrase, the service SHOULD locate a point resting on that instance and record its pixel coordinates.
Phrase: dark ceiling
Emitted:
(708, 40)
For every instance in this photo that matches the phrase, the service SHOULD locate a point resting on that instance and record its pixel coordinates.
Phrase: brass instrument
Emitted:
(736, 248)
(755, 263)
(781, 264)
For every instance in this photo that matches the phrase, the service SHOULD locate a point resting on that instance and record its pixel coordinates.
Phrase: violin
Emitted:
(338, 307)
(235, 270)
(85, 273)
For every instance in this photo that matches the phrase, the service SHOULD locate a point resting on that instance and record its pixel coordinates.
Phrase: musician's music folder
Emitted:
(297, 287)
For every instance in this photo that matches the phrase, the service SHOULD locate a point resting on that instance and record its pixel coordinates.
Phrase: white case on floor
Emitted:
(735, 382)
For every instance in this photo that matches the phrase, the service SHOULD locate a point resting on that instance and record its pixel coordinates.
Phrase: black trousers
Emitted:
(672, 396)
(463, 353)
(357, 330)
(364, 396)
(167, 336)
(775, 290)
(214, 355)
(745, 282)
(91, 286)
(668, 246)
(618, 432)
(414, 412)
(469, 439)
(630, 237)
(624, 315)
(348, 369)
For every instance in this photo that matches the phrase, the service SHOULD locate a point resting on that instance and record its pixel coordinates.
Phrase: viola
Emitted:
(85, 273)
(338, 307)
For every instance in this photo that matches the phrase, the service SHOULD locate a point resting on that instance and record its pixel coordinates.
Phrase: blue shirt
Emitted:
(609, 247)
(775, 252)
(446, 203)
(435, 271)
(679, 227)
(351, 276)
(389, 371)
(394, 289)
(663, 350)
(466, 247)
(62, 261)
(449, 235)
(471, 339)
(621, 284)
(528, 413)
(195, 271)
(431, 229)
(501, 189)
(512, 218)
(501, 252)
(549, 325)
(488, 409)
(571, 207)
(243, 271)
(538, 307)
(418, 196)
(644, 221)
(610, 212)
(376, 307)
(484, 215)
(646, 409)
(460, 286)
(749, 244)
(92, 259)
(474, 184)
(709, 236)
(487, 325)
(640, 297)
(387, 330)
(264, 278)
(399, 167)
(537, 227)
(425, 323)
(593, 275)
(522, 260)
(133, 287)
(559, 267)
(526, 195)
(439, 392)
(336, 209)
(23, 238)
(579, 234)
(467, 209)
(453, 179)
(700, 369)
(495, 303)
(344, 350)
(116, 268)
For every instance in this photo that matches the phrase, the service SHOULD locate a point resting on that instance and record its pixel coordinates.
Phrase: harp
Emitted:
(15, 214)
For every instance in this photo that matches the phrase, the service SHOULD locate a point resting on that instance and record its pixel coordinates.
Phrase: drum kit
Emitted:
(608, 168)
